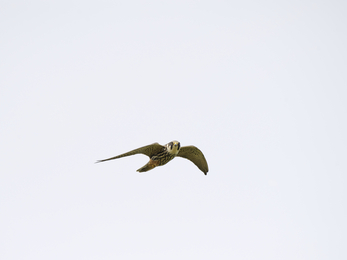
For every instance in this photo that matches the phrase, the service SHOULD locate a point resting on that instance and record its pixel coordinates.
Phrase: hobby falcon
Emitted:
(162, 154)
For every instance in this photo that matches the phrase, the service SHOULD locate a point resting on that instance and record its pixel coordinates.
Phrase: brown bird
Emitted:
(160, 155)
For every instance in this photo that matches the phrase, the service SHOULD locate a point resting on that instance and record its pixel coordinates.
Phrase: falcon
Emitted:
(161, 154)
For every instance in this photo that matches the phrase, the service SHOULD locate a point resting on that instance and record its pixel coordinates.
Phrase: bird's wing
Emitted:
(193, 154)
(148, 150)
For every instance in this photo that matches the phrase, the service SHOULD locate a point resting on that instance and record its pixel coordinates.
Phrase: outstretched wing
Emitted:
(193, 154)
(148, 150)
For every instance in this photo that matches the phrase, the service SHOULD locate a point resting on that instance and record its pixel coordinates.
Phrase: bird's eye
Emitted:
(171, 144)
(178, 146)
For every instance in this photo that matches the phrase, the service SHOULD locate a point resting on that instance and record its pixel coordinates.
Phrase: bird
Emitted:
(161, 154)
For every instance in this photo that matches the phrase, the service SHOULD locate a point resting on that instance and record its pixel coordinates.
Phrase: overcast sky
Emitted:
(259, 86)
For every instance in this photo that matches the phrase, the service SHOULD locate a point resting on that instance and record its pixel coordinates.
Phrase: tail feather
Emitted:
(147, 167)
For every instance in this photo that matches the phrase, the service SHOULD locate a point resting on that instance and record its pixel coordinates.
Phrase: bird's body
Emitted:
(160, 155)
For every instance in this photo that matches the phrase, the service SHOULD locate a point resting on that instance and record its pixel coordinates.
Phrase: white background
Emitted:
(259, 86)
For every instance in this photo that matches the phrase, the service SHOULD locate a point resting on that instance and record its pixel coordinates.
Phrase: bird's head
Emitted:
(173, 147)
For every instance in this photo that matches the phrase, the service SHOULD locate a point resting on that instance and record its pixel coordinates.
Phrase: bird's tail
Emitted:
(147, 167)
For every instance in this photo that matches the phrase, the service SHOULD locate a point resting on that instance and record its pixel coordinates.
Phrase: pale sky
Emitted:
(259, 87)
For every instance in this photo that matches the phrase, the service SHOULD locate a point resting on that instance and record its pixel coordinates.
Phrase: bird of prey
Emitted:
(162, 154)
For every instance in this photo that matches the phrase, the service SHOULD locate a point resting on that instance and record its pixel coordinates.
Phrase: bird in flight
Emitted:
(161, 154)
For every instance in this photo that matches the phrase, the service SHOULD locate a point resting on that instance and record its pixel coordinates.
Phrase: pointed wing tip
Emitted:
(204, 169)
